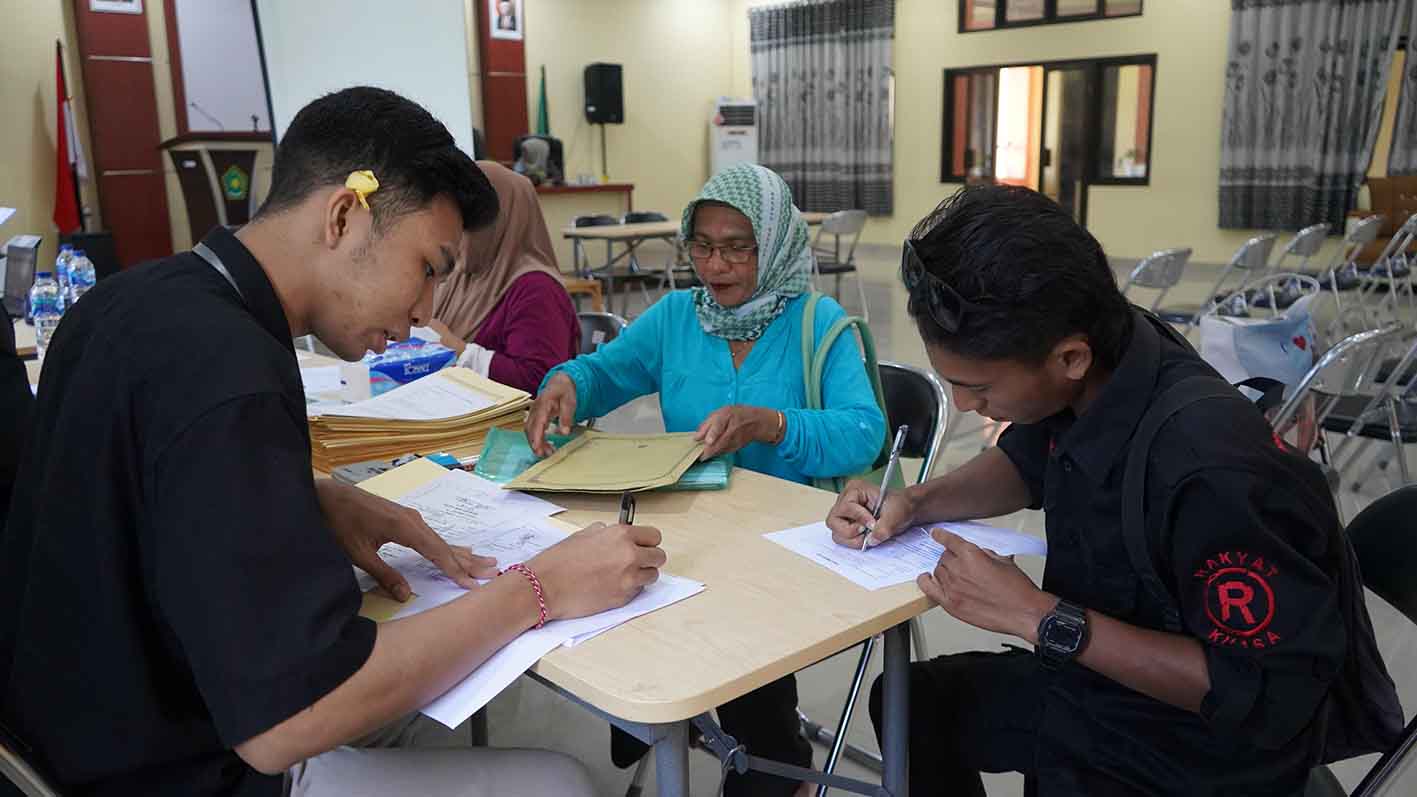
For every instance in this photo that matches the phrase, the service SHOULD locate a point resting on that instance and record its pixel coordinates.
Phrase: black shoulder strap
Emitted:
(1134, 531)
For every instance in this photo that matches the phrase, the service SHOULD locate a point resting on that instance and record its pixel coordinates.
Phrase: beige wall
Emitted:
(27, 135)
(676, 59)
(1179, 208)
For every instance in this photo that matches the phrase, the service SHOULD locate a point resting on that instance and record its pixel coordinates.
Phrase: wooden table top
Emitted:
(765, 612)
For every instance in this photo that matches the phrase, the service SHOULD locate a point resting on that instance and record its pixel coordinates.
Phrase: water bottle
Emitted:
(62, 264)
(82, 276)
(44, 303)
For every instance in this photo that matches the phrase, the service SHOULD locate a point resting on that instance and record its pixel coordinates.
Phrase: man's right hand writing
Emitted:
(851, 517)
(557, 400)
(598, 568)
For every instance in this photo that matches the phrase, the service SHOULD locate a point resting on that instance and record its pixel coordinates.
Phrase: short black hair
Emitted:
(412, 155)
(1034, 276)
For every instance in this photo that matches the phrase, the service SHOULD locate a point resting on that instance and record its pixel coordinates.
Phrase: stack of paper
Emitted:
(513, 527)
(451, 409)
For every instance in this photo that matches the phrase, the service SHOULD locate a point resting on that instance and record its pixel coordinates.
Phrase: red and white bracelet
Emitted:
(535, 587)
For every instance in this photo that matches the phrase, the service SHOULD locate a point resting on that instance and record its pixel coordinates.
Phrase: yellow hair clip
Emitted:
(362, 183)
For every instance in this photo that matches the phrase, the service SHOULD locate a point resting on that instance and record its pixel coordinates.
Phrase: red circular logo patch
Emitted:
(1239, 601)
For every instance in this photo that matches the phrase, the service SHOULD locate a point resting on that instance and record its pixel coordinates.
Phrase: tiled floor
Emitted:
(530, 715)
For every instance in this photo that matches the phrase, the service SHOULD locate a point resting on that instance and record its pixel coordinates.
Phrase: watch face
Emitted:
(1062, 636)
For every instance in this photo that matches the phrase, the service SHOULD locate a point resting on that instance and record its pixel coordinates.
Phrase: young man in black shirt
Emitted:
(1209, 686)
(181, 615)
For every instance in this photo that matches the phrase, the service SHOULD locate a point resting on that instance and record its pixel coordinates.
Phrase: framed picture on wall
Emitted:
(116, 6)
(505, 18)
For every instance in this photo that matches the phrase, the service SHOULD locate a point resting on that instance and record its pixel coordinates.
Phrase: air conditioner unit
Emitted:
(733, 133)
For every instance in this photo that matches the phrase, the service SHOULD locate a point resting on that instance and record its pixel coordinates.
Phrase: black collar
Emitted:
(255, 287)
(1095, 441)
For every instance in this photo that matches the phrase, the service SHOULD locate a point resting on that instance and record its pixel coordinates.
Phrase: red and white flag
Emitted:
(70, 165)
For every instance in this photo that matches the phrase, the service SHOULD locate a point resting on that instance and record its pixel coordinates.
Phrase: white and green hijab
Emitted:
(784, 250)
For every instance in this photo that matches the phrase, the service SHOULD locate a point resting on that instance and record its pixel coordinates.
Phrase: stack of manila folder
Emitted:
(451, 409)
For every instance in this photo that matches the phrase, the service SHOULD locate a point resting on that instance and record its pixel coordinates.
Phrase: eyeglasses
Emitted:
(943, 303)
(731, 253)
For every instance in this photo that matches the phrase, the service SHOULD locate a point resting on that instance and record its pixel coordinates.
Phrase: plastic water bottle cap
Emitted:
(66, 247)
(43, 274)
(79, 252)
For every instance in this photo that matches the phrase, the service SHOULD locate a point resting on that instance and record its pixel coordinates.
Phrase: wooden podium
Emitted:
(217, 173)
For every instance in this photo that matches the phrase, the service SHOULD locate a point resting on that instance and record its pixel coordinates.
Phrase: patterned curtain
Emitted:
(1303, 102)
(822, 79)
(1402, 158)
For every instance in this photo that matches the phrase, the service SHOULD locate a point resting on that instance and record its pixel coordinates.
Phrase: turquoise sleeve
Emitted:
(620, 371)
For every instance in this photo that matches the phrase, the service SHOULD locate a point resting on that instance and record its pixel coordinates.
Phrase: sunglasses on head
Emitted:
(944, 304)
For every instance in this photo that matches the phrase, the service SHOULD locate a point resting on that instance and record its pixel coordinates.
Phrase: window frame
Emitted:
(1050, 16)
(1094, 67)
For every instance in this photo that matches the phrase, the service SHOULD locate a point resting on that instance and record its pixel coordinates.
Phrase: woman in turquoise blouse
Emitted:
(726, 360)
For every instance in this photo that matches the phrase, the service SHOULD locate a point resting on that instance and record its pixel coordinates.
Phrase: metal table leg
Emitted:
(671, 760)
(895, 711)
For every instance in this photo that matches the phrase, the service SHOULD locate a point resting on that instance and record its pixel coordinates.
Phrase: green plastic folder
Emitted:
(507, 454)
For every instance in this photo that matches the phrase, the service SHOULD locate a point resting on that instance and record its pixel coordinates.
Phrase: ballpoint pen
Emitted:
(627, 509)
(892, 465)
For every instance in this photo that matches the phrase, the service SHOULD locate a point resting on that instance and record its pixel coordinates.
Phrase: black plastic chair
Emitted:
(19, 772)
(915, 397)
(1387, 555)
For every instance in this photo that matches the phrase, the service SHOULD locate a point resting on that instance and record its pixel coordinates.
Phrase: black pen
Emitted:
(627, 509)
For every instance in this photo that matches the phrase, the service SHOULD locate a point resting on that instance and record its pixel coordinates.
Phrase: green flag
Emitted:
(543, 120)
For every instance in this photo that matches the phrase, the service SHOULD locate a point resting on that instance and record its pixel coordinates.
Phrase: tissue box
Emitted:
(404, 361)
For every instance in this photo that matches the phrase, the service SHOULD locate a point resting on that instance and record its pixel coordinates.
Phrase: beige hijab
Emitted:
(493, 258)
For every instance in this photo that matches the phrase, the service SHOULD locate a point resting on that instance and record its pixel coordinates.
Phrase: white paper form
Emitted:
(470, 511)
(904, 556)
(486, 682)
(427, 399)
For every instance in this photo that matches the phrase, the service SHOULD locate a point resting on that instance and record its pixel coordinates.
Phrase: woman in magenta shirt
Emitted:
(504, 309)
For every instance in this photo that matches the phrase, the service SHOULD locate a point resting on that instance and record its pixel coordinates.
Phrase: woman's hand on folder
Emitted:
(362, 522)
(598, 568)
(851, 516)
(731, 428)
(558, 401)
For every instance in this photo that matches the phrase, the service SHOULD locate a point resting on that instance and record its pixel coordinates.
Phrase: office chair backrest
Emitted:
(598, 329)
(597, 220)
(642, 217)
(554, 151)
(916, 397)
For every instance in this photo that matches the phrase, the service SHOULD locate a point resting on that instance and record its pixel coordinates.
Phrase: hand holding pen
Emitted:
(864, 515)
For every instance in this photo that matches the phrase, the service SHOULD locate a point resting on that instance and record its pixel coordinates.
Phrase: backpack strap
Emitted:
(1134, 531)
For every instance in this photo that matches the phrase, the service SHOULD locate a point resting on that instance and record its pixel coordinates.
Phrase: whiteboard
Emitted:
(417, 48)
(221, 69)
